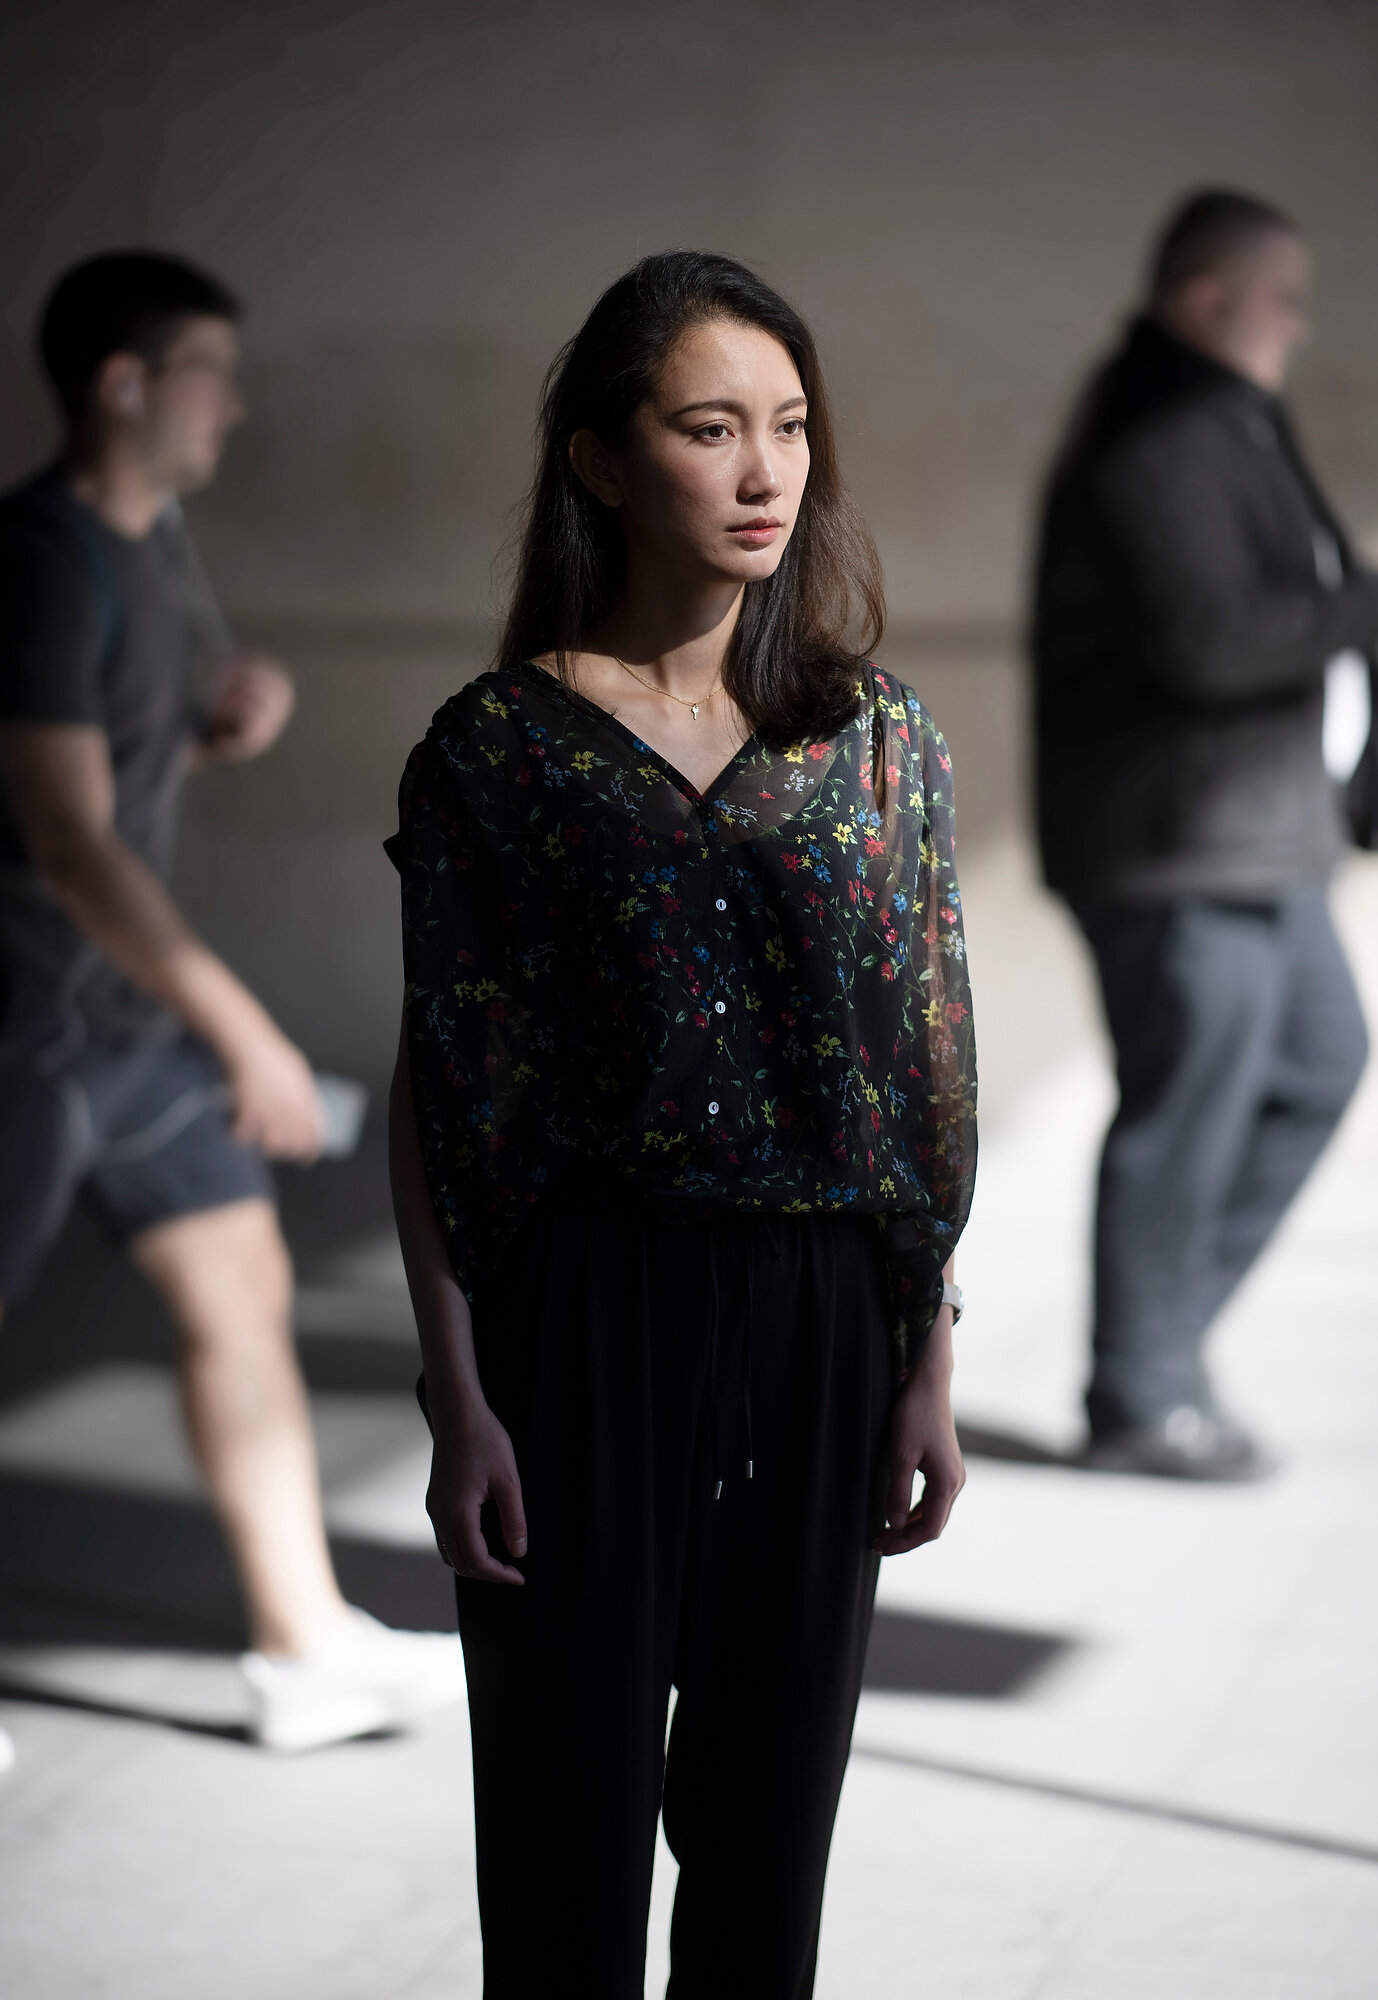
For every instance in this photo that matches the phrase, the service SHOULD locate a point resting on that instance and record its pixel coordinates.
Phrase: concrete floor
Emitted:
(1118, 1738)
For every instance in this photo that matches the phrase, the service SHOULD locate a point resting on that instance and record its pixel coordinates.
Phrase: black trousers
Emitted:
(1239, 1040)
(636, 1365)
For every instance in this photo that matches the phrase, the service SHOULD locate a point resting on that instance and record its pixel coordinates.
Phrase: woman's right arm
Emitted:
(473, 1460)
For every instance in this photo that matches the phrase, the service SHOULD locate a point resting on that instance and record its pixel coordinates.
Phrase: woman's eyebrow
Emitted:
(735, 409)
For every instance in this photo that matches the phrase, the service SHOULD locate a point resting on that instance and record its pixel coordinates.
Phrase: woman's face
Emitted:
(712, 470)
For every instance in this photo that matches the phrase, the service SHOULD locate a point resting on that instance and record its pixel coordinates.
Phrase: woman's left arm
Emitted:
(923, 1439)
(941, 1056)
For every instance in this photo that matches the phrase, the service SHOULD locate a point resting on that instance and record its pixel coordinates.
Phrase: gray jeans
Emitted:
(1239, 1041)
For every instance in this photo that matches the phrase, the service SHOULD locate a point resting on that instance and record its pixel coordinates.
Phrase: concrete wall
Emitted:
(420, 200)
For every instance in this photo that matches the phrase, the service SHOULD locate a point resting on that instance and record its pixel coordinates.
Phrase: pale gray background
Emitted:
(419, 202)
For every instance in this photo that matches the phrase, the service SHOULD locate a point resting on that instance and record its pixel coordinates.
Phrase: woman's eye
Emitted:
(713, 432)
(794, 427)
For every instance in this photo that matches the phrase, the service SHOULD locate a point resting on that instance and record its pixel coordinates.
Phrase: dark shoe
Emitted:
(1186, 1443)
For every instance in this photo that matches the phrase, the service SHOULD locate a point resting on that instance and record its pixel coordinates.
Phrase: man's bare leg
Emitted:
(226, 1278)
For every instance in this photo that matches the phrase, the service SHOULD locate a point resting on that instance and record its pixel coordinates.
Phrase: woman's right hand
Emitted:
(473, 1461)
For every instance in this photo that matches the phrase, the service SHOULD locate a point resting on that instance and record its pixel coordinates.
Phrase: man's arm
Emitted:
(61, 792)
(1215, 629)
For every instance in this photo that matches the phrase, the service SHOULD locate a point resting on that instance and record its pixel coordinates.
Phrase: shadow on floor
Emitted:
(140, 1571)
(1309, 1839)
(87, 1567)
(981, 1441)
(84, 1568)
(910, 1653)
(15, 1688)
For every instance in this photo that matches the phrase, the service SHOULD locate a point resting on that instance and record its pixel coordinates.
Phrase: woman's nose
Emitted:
(759, 480)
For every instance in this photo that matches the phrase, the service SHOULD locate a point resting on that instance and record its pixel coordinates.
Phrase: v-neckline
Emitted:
(639, 743)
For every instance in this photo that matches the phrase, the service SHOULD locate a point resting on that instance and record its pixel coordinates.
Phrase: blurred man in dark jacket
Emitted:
(1193, 590)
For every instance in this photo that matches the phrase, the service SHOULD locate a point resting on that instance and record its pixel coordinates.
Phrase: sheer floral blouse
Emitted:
(749, 999)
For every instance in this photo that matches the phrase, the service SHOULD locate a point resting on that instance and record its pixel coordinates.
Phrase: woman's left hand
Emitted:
(923, 1439)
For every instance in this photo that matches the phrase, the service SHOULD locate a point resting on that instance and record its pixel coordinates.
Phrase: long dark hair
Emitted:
(804, 634)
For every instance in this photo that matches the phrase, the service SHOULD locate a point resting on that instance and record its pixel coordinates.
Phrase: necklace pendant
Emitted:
(694, 710)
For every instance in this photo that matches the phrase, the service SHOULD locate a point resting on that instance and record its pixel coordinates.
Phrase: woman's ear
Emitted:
(594, 467)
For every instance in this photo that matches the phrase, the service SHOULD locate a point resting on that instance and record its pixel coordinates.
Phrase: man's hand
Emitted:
(250, 707)
(60, 788)
(923, 1439)
(277, 1106)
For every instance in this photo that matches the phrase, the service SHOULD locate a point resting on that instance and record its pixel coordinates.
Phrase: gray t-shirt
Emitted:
(93, 629)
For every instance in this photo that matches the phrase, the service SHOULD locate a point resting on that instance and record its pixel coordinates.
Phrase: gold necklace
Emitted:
(692, 706)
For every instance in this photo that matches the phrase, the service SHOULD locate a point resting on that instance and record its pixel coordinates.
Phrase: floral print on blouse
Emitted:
(750, 999)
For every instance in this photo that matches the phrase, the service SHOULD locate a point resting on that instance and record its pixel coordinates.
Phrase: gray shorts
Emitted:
(139, 1129)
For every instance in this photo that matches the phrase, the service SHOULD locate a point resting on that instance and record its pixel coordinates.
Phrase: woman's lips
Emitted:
(757, 533)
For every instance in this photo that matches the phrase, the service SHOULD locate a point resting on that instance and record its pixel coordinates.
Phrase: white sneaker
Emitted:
(365, 1677)
(7, 1752)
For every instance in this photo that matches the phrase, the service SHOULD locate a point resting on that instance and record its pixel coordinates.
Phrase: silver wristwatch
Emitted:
(952, 1296)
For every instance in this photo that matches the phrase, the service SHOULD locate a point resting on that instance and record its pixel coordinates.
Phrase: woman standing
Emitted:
(683, 1139)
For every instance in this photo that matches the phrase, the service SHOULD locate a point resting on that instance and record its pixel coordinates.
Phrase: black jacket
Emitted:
(1191, 585)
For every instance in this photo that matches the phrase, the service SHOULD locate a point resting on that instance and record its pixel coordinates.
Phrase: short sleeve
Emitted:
(417, 827)
(51, 628)
(446, 942)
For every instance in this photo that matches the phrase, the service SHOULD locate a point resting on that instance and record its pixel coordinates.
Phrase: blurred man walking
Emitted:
(1193, 586)
(135, 1069)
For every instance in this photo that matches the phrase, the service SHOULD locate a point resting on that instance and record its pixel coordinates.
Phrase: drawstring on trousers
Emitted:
(772, 1240)
(746, 1354)
(713, 1367)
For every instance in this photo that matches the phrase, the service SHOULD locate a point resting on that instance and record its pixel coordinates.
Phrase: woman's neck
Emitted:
(656, 662)
(678, 640)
